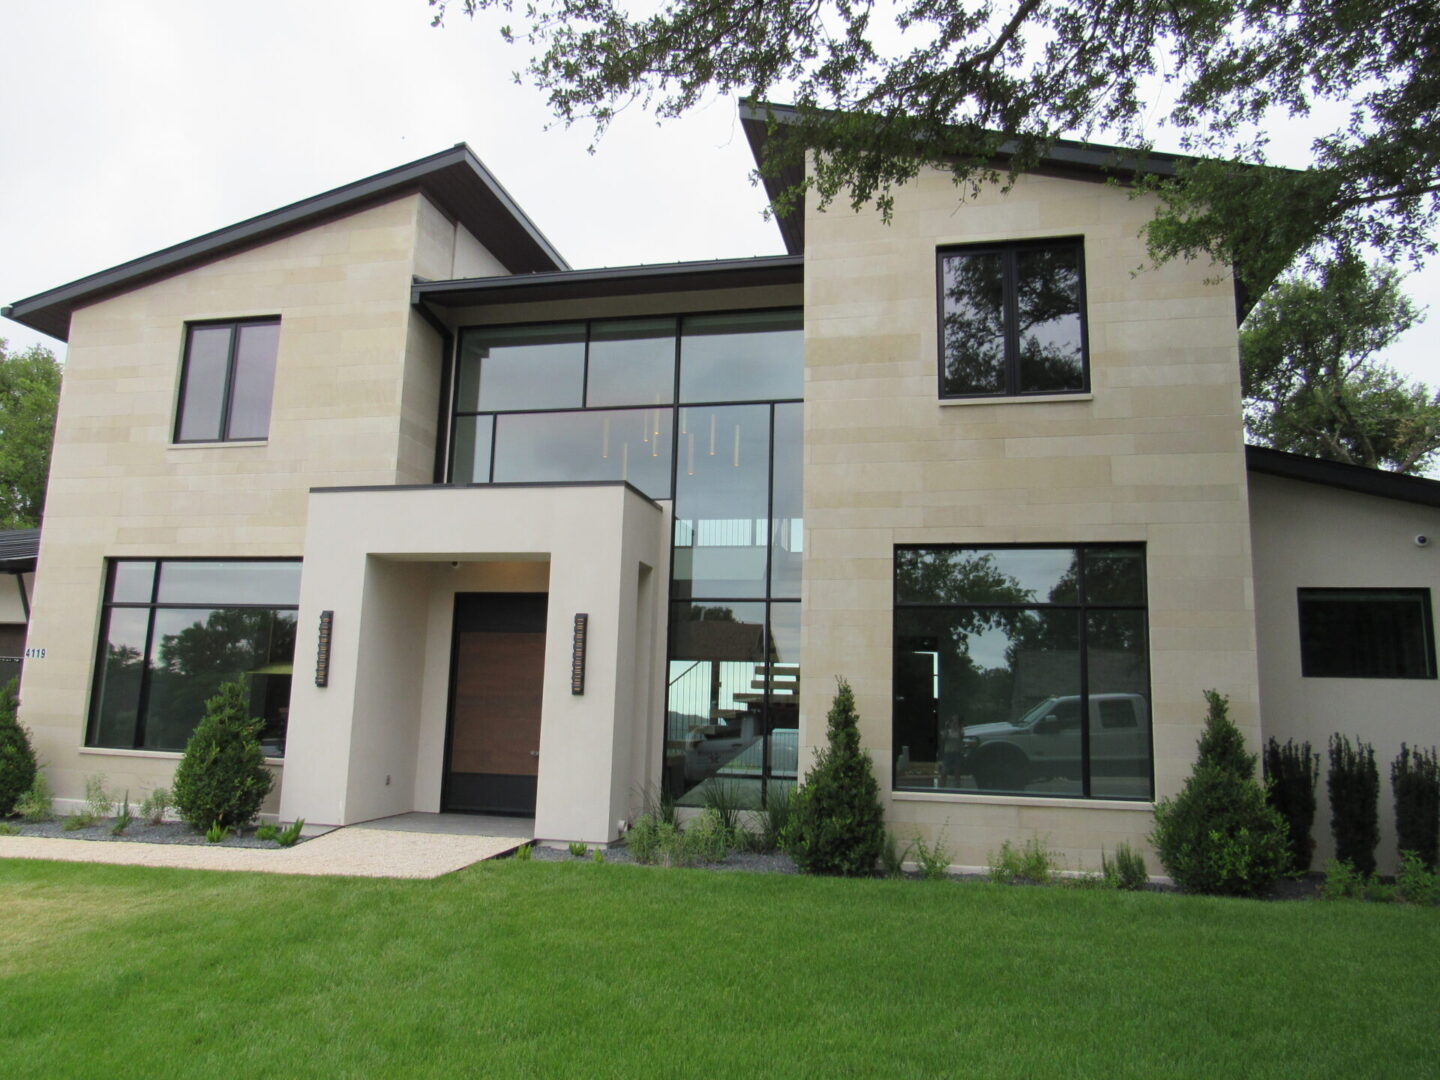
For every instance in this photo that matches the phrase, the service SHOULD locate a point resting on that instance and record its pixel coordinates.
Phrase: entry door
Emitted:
(497, 669)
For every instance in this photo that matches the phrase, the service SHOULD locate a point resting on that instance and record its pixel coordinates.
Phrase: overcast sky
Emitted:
(133, 125)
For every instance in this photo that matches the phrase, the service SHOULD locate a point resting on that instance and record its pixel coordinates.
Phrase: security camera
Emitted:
(1421, 540)
(456, 564)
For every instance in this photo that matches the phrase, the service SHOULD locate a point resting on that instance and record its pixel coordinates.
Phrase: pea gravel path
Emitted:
(357, 851)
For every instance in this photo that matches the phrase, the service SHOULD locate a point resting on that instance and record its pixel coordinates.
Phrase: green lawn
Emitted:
(525, 968)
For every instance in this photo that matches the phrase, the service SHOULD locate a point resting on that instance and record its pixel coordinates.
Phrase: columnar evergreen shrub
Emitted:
(222, 779)
(17, 757)
(837, 825)
(1291, 773)
(1219, 835)
(1354, 786)
(1415, 780)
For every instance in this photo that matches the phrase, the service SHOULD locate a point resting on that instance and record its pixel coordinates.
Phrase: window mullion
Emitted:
(1012, 322)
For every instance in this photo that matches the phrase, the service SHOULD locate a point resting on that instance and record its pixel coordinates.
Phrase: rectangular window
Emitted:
(1366, 634)
(1022, 670)
(227, 381)
(1012, 320)
(174, 630)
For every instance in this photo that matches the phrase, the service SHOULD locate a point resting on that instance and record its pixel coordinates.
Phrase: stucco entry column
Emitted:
(350, 741)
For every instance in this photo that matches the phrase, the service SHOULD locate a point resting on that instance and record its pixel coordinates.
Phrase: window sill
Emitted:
(219, 443)
(158, 755)
(1025, 399)
(1144, 805)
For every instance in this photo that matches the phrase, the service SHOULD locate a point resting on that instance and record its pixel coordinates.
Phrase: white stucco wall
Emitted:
(1309, 536)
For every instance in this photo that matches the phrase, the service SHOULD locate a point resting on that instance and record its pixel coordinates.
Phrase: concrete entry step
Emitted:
(518, 828)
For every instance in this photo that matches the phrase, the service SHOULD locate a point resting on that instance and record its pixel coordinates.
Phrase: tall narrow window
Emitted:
(1012, 320)
(227, 381)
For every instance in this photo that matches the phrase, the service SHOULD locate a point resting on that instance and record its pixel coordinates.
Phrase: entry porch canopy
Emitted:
(387, 562)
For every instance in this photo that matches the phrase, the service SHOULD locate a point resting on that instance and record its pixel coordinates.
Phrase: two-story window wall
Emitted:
(704, 409)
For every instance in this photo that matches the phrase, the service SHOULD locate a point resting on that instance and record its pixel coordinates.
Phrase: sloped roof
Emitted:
(455, 180)
(1336, 474)
(18, 549)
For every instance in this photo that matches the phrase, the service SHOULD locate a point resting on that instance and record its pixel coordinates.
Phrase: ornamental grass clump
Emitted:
(1354, 786)
(222, 779)
(1291, 773)
(1219, 835)
(837, 825)
(17, 758)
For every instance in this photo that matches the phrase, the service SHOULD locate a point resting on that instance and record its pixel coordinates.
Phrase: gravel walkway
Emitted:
(353, 852)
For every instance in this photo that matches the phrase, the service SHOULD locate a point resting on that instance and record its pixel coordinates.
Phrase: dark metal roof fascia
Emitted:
(1377, 482)
(611, 281)
(18, 550)
(49, 312)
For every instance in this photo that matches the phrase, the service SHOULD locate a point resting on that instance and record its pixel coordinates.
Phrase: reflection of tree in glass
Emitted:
(1048, 327)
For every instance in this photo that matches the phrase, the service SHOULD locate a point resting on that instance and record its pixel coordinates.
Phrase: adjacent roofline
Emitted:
(1378, 482)
(765, 270)
(19, 549)
(455, 180)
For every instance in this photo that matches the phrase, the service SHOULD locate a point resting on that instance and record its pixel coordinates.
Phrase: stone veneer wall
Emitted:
(119, 487)
(1153, 455)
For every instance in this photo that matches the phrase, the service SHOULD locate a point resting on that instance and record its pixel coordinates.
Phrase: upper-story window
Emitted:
(1012, 319)
(227, 381)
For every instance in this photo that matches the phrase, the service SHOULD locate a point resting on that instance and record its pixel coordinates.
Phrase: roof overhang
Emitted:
(19, 549)
(455, 180)
(1378, 482)
(763, 271)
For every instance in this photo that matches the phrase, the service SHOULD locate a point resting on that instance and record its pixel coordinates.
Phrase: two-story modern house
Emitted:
(479, 531)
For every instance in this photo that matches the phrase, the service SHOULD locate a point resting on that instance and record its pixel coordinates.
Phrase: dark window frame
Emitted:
(1426, 628)
(1007, 251)
(152, 605)
(227, 398)
(1082, 606)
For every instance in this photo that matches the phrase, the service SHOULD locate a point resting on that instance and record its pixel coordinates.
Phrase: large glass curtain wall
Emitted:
(704, 409)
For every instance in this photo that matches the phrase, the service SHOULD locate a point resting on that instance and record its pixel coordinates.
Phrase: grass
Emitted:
(569, 969)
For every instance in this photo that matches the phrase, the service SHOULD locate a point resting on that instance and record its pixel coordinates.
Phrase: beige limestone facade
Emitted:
(350, 480)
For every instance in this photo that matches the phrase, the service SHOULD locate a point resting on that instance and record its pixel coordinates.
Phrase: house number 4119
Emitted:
(34, 654)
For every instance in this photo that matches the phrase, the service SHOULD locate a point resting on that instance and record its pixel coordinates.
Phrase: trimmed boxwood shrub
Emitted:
(1219, 835)
(222, 779)
(1415, 780)
(1291, 774)
(1354, 786)
(836, 824)
(17, 757)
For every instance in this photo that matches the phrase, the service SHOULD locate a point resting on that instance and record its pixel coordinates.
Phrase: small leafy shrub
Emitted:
(1380, 892)
(577, 849)
(1342, 881)
(932, 860)
(222, 777)
(1354, 786)
(37, 804)
(266, 832)
(216, 833)
(708, 838)
(1032, 862)
(98, 801)
(18, 768)
(1291, 773)
(892, 857)
(1126, 870)
(81, 819)
(1219, 835)
(643, 839)
(123, 817)
(672, 847)
(1417, 883)
(837, 825)
(1415, 780)
(597, 856)
(154, 805)
(746, 839)
(525, 853)
(287, 836)
(6, 829)
(660, 807)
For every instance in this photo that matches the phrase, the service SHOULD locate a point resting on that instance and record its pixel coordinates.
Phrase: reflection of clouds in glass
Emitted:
(230, 582)
(988, 649)
(612, 445)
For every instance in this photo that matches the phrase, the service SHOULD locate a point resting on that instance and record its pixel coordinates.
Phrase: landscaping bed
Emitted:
(141, 832)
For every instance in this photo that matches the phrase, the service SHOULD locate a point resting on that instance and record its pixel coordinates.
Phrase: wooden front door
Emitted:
(497, 669)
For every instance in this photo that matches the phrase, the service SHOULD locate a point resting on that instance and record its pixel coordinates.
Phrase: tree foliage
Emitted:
(29, 394)
(884, 91)
(17, 756)
(1313, 383)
